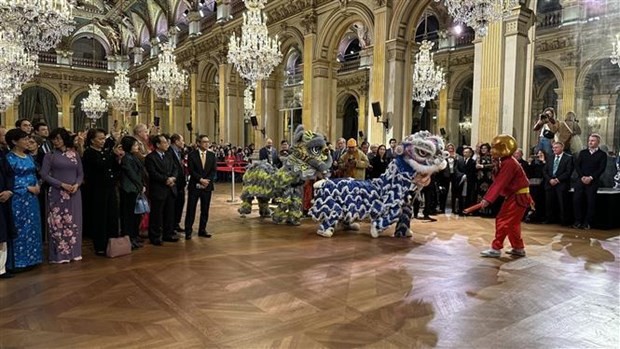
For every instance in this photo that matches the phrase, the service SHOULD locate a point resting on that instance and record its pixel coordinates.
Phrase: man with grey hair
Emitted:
(589, 165)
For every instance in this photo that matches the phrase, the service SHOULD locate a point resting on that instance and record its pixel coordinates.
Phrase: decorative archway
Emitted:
(39, 103)
(348, 110)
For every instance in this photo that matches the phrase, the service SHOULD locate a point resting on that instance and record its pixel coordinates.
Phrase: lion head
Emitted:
(309, 154)
(424, 152)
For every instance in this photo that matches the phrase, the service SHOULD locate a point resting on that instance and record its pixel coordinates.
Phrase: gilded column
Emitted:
(269, 120)
(170, 124)
(382, 14)
(153, 112)
(442, 115)
(395, 85)
(453, 127)
(193, 97)
(363, 111)
(515, 66)
(309, 23)
(568, 91)
(65, 106)
(222, 131)
(487, 94)
(10, 115)
(322, 118)
(260, 108)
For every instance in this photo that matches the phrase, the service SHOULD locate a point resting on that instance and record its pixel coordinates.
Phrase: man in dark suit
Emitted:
(556, 176)
(589, 165)
(162, 191)
(269, 153)
(202, 171)
(177, 151)
(467, 167)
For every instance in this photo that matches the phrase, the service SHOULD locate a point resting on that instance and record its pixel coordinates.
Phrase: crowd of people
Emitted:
(57, 186)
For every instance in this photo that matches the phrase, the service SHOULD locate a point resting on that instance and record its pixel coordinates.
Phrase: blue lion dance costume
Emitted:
(385, 200)
(309, 158)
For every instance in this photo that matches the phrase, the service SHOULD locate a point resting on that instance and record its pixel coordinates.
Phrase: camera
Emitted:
(543, 116)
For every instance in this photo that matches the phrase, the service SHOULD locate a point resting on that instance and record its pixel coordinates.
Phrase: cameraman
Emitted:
(548, 126)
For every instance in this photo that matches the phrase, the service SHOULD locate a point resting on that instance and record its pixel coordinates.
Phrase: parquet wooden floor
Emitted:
(258, 285)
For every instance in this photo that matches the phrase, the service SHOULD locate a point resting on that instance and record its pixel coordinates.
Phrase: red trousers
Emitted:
(508, 223)
(308, 194)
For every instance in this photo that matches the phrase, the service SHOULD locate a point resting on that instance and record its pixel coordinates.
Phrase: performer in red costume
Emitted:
(510, 182)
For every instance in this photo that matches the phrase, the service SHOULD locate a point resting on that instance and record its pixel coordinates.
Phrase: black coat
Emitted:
(178, 164)
(159, 170)
(563, 173)
(197, 172)
(263, 154)
(7, 229)
(132, 174)
(469, 170)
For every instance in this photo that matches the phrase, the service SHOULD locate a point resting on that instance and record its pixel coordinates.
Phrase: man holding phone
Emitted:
(353, 162)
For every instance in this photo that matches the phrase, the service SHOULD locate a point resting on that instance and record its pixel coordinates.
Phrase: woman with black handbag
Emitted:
(132, 185)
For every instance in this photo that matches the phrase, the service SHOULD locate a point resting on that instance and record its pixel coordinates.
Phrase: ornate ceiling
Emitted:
(121, 25)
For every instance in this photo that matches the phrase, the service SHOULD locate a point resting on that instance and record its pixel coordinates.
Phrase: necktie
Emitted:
(556, 163)
(202, 158)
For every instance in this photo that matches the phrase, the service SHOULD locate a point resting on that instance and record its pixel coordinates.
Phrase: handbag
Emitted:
(117, 247)
(548, 134)
(142, 204)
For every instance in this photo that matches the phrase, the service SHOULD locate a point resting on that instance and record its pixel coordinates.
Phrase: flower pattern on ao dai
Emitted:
(65, 209)
(26, 249)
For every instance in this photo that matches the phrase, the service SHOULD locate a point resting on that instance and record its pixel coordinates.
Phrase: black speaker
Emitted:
(254, 121)
(361, 134)
(190, 128)
(134, 113)
(442, 131)
(156, 121)
(376, 109)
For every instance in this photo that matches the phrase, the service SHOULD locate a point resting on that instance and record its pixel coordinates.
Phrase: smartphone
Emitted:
(156, 121)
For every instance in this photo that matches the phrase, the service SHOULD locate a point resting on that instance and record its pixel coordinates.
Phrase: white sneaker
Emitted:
(516, 252)
(491, 253)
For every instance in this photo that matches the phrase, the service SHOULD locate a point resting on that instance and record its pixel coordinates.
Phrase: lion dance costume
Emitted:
(385, 200)
(309, 158)
(511, 183)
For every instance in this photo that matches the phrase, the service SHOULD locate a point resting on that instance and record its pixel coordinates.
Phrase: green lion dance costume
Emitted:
(308, 158)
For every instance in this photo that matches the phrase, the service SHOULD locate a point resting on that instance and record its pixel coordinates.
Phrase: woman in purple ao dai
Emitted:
(62, 169)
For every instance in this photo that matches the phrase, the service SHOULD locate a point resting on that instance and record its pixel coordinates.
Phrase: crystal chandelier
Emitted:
(615, 54)
(94, 105)
(8, 94)
(41, 24)
(428, 79)
(478, 14)
(122, 97)
(17, 67)
(167, 80)
(254, 54)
